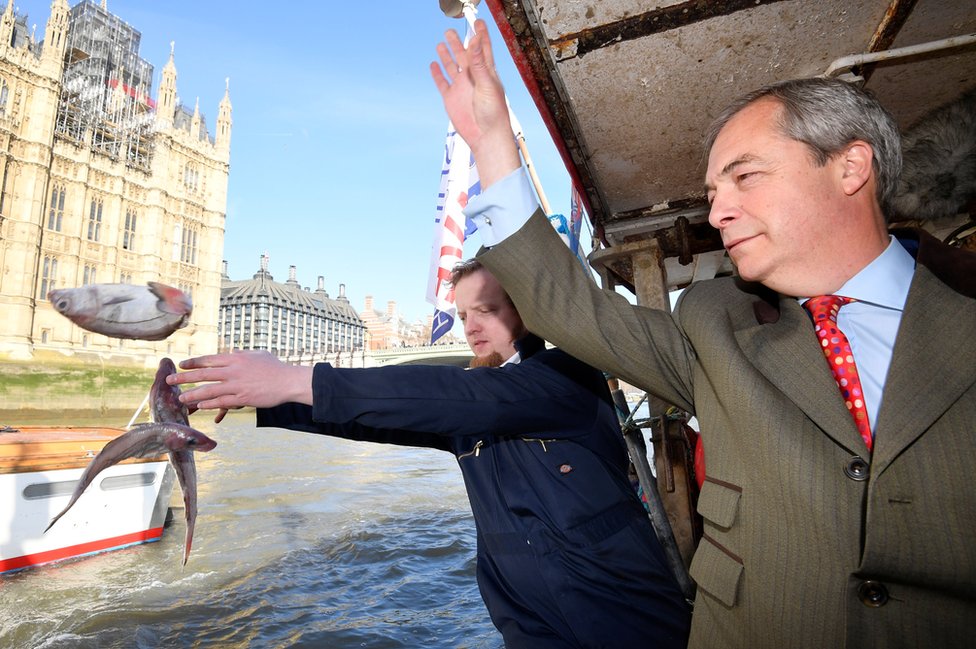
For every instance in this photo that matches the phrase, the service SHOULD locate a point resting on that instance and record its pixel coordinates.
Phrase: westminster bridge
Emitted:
(451, 354)
(458, 354)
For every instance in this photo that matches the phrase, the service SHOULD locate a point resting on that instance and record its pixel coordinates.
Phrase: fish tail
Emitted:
(171, 300)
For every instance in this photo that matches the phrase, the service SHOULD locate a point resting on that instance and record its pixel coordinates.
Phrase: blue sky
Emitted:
(338, 131)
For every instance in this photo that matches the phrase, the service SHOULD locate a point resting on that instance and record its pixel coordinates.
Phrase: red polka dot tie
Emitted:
(837, 349)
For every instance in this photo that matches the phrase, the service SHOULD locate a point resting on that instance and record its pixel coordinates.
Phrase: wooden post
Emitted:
(670, 461)
(667, 504)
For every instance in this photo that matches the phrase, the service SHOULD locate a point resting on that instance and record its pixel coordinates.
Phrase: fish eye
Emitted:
(61, 305)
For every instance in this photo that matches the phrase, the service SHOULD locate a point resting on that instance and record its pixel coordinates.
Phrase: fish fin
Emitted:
(171, 300)
(133, 443)
(119, 299)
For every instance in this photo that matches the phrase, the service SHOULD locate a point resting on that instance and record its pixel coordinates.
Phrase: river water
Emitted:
(301, 541)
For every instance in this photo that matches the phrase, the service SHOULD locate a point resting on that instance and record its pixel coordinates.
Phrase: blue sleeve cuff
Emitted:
(503, 208)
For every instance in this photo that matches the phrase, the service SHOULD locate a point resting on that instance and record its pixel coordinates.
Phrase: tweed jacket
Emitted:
(810, 539)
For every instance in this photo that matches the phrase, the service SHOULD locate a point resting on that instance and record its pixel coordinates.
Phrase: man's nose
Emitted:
(723, 210)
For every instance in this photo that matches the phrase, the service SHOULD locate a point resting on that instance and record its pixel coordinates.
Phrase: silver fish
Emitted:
(144, 440)
(165, 405)
(150, 312)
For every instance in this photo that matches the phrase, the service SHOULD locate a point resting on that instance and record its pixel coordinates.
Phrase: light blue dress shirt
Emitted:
(504, 207)
(871, 323)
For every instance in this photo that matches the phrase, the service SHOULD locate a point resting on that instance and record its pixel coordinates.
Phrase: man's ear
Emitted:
(857, 160)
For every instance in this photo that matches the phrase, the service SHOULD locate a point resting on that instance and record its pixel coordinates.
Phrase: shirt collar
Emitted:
(885, 281)
(515, 359)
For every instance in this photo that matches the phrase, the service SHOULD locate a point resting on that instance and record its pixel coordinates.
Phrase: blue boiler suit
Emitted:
(566, 554)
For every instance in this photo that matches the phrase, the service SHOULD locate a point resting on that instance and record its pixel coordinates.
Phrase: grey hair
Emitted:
(827, 115)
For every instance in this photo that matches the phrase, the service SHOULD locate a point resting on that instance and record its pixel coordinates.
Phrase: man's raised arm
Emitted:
(475, 101)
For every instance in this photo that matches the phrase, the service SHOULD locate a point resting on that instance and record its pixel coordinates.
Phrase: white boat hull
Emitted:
(125, 504)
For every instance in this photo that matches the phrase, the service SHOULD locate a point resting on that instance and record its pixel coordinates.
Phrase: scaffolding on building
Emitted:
(105, 98)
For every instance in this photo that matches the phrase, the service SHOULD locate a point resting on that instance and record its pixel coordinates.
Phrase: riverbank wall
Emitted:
(60, 386)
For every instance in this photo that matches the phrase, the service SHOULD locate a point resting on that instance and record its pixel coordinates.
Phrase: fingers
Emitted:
(479, 48)
(213, 360)
(457, 51)
(451, 65)
(484, 43)
(439, 80)
(195, 376)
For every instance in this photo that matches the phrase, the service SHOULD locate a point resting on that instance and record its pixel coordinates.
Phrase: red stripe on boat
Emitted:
(81, 549)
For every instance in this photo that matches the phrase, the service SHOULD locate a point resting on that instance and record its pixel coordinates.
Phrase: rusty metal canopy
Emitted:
(628, 87)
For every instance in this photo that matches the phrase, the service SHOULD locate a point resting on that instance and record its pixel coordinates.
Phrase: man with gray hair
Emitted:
(834, 379)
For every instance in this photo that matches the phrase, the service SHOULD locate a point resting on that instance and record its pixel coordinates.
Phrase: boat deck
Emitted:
(43, 448)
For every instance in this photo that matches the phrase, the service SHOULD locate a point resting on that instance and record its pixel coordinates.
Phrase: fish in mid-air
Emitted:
(144, 440)
(166, 407)
(150, 312)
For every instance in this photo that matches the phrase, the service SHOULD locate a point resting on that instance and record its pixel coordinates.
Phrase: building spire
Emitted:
(166, 106)
(56, 34)
(7, 26)
(224, 120)
(195, 122)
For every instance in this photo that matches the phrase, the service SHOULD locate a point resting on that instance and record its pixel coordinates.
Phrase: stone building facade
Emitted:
(295, 324)
(390, 330)
(100, 183)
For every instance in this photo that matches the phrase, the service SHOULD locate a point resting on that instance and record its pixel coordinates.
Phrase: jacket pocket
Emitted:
(717, 571)
(715, 568)
(718, 502)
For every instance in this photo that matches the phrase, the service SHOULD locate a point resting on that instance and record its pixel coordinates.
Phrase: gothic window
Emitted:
(191, 177)
(4, 95)
(49, 274)
(188, 245)
(55, 212)
(89, 277)
(129, 233)
(95, 220)
(125, 278)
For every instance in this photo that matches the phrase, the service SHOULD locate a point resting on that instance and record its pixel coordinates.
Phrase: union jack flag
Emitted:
(459, 184)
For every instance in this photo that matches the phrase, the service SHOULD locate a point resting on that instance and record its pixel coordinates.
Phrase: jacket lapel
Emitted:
(787, 353)
(931, 364)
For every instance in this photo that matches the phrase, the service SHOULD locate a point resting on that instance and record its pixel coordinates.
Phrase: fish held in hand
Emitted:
(150, 312)
(164, 399)
(165, 405)
(144, 440)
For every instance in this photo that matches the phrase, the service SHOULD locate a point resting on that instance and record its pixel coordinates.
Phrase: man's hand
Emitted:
(235, 380)
(475, 101)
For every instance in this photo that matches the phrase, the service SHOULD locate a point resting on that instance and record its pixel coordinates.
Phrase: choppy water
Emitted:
(301, 541)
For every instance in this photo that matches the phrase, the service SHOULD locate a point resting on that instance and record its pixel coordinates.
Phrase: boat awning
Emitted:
(627, 88)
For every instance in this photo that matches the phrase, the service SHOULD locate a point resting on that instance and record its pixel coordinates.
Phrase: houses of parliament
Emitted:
(102, 183)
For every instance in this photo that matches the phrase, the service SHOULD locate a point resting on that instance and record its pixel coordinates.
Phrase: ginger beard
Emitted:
(493, 359)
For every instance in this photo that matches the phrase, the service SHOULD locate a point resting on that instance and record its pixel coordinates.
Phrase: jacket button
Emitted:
(873, 594)
(857, 469)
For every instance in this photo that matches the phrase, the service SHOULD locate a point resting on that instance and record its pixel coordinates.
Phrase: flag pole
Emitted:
(524, 149)
(467, 8)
